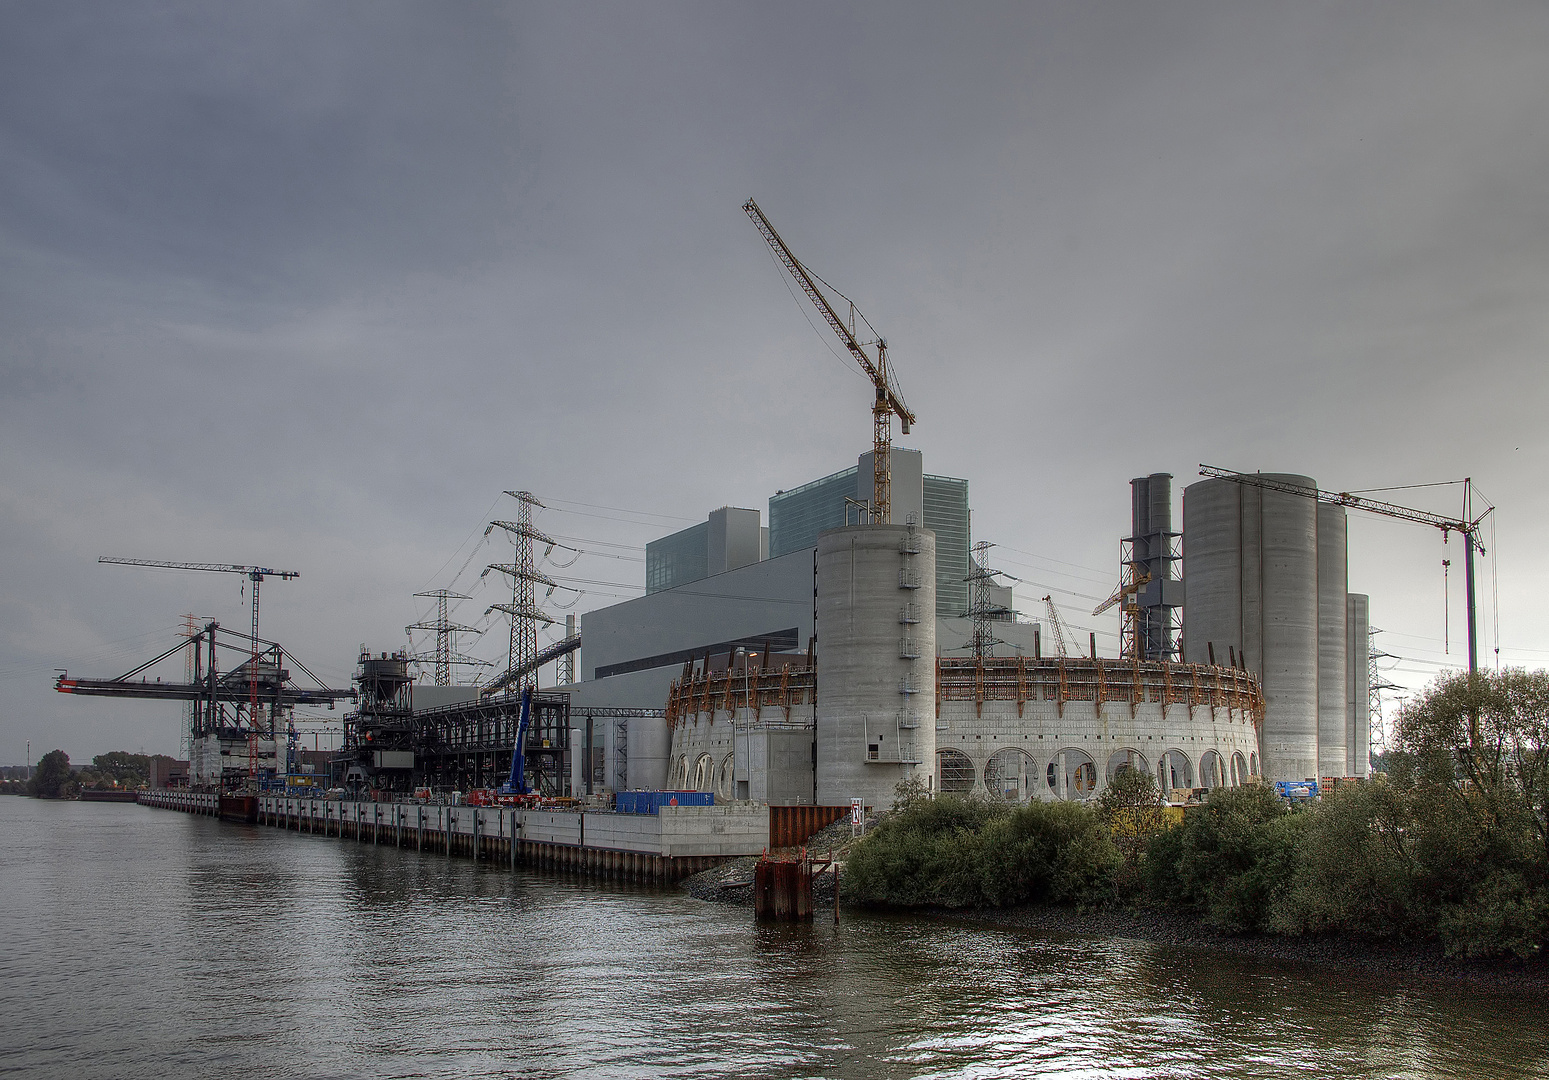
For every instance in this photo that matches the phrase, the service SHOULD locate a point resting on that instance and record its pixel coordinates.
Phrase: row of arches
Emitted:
(1015, 775)
(702, 774)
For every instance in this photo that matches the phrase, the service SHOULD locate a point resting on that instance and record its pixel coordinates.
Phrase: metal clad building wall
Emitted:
(876, 705)
(1333, 646)
(1358, 681)
(1251, 568)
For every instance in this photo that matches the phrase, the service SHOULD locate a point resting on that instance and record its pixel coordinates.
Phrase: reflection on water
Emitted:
(144, 943)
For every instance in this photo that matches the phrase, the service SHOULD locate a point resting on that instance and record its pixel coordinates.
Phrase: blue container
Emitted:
(651, 802)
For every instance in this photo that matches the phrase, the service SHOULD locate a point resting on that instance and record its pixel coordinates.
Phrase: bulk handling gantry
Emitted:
(888, 400)
(242, 704)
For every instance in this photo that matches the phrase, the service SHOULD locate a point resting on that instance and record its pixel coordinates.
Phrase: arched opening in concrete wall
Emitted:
(1120, 760)
(1239, 770)
(1011, 774)
(1212, 772)
(1253, 764)
(1174, 771)
(1072, 775)
(702, 774)
(954, 772)
(724, 785)
(677, 776)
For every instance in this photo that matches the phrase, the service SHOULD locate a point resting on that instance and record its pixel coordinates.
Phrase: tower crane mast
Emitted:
(888, 403)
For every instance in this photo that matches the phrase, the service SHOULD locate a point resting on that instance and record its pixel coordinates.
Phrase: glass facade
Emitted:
(798, 515)
(678, 559)
(946, 515)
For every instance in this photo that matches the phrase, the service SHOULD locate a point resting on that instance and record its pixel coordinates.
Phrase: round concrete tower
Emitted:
(1333, 688)
(876, 660)
(1250, 567)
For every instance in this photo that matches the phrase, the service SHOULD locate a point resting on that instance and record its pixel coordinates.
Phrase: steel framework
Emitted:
(523, 609)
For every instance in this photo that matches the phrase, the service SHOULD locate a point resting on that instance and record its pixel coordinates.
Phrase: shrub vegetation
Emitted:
(1451, 845)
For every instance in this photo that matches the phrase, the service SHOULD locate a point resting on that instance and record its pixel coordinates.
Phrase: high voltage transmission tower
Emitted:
(1377, 734)
(523, 609)
(446, 631)
(981, 607)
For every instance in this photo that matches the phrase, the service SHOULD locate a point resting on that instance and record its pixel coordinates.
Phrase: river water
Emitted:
(147, 943)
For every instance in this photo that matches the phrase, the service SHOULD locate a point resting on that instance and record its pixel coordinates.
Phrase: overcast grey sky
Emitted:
(309, 284)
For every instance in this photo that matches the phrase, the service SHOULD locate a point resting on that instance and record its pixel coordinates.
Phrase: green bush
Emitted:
(1353, 869)
(1047, 852)
(926, 853)
(1228, 859)
(953, 852)
(1453, 846)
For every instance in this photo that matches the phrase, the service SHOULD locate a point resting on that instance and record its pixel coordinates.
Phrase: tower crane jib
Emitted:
(888, 402)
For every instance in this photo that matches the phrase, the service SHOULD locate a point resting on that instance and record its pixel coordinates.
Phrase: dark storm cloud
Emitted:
(309, 284)
(257, 148)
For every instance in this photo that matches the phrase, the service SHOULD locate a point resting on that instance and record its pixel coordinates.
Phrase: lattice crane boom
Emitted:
(889, 401)
(1066, 648)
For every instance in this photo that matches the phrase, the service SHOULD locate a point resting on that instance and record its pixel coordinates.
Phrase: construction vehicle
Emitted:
(515, 790)
(888, 400)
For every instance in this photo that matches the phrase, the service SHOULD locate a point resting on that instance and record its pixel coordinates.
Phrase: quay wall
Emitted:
(662, 847)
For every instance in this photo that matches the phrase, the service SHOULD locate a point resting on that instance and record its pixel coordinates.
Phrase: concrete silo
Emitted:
(1333, 579)
(1358, 683)
(1250, 568)
(876, 650)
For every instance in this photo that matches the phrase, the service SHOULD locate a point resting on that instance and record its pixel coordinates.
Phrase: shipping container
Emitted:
(650, 802)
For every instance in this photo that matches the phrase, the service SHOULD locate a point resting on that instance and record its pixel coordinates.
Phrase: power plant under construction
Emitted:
(832, 668)
(855, 642)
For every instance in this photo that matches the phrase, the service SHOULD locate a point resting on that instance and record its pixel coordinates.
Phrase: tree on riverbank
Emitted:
(1131, 807)
(52, 775)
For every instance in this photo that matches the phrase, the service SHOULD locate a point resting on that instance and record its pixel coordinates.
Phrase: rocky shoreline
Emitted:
(732, 883)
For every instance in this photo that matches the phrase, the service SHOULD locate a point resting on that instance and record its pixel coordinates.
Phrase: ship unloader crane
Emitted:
(254, 574)
(889, 402)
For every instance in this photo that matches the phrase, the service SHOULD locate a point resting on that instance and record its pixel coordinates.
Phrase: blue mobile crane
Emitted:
(516, 784)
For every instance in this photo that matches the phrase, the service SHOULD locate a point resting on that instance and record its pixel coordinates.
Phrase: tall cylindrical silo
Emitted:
(1212, 571)
(1250, 561)
(1358, 679)
(1333, 646)
(876, 646)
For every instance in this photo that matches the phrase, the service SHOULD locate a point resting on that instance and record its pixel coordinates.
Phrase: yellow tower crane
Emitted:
(888, 401)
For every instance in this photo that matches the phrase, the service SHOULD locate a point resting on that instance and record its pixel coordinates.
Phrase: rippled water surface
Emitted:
(146, 943)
